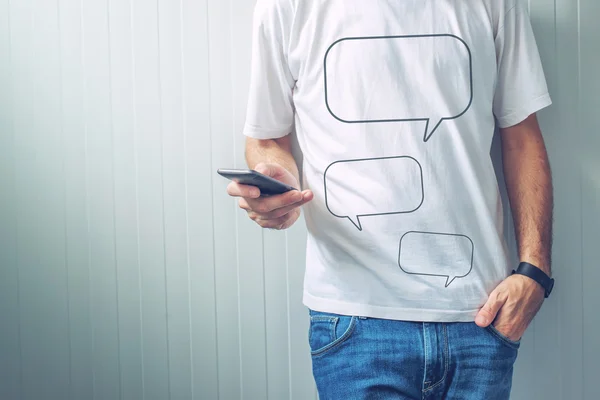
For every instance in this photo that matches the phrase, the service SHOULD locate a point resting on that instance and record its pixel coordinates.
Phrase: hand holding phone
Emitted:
(280, 208)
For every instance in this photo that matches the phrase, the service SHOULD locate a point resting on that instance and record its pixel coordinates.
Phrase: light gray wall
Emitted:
(126, 271)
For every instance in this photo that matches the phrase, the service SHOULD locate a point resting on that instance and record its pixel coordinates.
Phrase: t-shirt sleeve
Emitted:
(521, 88)
(270, 111)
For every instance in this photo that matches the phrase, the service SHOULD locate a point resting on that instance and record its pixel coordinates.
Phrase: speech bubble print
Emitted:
(362, 188)
(377, 79)
(436, 254)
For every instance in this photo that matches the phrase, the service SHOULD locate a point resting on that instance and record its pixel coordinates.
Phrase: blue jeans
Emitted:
(367, 358)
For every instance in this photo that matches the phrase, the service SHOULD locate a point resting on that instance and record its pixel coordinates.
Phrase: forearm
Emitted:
(278, 151)
(529, 185)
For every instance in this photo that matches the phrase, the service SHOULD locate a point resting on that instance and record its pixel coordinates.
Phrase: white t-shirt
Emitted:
(394, 103)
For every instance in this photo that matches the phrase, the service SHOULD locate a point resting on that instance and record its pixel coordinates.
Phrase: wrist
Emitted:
(542, 263)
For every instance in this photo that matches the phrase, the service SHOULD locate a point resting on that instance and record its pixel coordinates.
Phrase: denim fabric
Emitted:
(366, 358)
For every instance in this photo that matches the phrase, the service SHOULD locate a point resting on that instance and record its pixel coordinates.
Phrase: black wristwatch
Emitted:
(537, 275)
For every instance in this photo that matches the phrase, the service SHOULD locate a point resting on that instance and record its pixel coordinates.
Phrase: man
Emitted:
(394, 103)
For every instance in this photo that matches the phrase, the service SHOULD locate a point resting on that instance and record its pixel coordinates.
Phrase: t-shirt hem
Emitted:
(392, 313)
(519, 116)
(261, 133)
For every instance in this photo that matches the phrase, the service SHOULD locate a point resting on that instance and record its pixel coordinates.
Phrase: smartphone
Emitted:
(267, 185)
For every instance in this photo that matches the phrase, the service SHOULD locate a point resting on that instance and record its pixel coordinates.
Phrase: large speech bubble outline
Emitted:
(428, 132)
(356, 222)
(449, 278)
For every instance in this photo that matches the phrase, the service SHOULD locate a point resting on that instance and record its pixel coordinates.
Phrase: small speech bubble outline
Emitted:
(414, 244)
(346, 51)
(353, 188)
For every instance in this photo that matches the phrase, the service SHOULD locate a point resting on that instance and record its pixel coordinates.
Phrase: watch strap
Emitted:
(537, 275)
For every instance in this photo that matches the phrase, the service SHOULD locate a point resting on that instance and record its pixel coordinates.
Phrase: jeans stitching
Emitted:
(425, 381)
(322, 318)
(446, 362)
(333, 333)
(336, 342)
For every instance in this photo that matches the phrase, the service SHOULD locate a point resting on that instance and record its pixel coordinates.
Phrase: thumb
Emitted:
(266, 169)
(488, 312)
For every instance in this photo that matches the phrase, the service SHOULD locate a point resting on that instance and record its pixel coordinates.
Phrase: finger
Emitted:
(307, 195)
(277, 223)
(280, 212)
(243, 204)
(488, 312)
(262, 217)
(238, 190)
(265, 205)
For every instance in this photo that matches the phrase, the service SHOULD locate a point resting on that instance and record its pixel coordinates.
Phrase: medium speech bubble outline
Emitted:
(428, 124)
(449, 277)
(356, 220)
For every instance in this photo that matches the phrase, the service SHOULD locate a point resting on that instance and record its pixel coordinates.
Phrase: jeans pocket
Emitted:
(327, 331)
(515, 344)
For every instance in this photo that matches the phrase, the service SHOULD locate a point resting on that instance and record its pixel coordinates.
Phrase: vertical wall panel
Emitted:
(200, 219)
(564, 154)
(34, 352)
(127, 248)
(589, 146)
(148, 139)
(10, 367)
(50, 276)
(227, 258)
(175, 205)
(100, 199)
(76, 188)
(276, 314)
